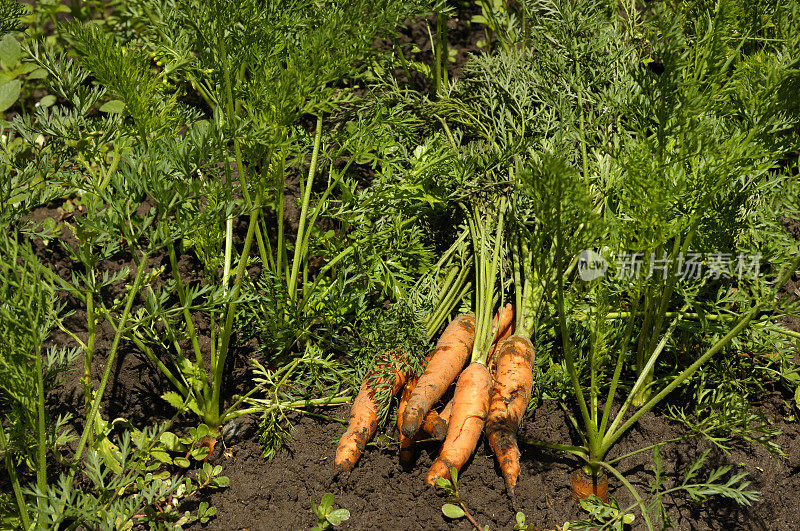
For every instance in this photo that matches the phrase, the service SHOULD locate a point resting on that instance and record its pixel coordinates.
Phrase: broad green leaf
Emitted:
(326, 503)
(452, 511)
(797, 397)
(39, 73)
(628, 518)
(200, 453)
(171, 442)
(181, 462)
(9, 93)
(110, 454)
(25, 68)
(113, 106)
(9, 52)
(47, 101)
(161, 456)
(338, 516)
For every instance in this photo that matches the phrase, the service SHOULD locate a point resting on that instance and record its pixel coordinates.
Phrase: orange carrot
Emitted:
(435, 425)
(512, 390)
(406, 452)
(447, 412)
(503, 319)
(491, 361)
(452, 351)
(584, 485)
(507, 326)
(470, 406)
(364, 415)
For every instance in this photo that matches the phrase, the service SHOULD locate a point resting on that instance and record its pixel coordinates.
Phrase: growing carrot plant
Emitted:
(27, 316)
(669, 207)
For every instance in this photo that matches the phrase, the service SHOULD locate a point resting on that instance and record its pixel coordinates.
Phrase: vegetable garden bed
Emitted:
(221, 224)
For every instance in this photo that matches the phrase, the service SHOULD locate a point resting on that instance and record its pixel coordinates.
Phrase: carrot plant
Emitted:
(680, 211)
(122, 487)
(676, 197)
(29, 371)
(598, 427)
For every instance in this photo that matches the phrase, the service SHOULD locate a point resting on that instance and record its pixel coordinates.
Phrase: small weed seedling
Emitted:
(327, 516)
(455, 507)
(521, 524)
(606, 515)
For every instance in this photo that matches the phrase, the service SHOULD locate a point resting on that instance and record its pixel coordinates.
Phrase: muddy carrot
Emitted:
(500, 332)
(470, 406)
(446, 412)
(406, 450)
(452, 351)
(364, 415)
(512, 390)
(435, 425)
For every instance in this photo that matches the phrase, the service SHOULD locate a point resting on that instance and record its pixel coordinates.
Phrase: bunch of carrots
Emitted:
(490, 358)
(493, 395)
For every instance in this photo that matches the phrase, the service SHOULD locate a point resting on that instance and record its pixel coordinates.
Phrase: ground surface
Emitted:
(380, 495)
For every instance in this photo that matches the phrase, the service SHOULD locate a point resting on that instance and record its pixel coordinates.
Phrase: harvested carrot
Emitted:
(491, 361)
(452, 351)
(435, 425)
(364, 416)
(503, 320)
(447, 412)
(406, 451)
(512, 390)
(470, 406)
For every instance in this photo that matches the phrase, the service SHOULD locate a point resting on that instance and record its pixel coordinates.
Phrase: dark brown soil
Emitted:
(277, 494)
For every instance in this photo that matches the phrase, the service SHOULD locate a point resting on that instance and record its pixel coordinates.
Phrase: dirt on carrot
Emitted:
(364, 415)
(470, 407)
(511, 392)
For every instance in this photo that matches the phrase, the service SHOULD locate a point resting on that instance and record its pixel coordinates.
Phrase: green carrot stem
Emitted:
(299, 248)
(212, 415)
(612, 436)
(12, 475)
(89, 426)
(173, 261)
